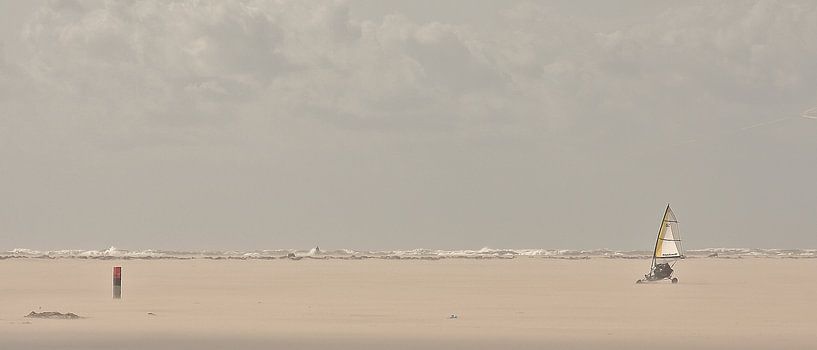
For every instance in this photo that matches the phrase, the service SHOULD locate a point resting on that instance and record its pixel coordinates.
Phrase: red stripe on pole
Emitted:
(117, 282)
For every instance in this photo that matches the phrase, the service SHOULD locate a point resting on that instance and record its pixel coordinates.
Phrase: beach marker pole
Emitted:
(117, 282)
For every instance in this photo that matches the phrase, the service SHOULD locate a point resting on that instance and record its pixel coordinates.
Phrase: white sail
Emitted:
(668, 244)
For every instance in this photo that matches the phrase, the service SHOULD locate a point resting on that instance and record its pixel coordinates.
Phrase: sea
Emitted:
(418, 254)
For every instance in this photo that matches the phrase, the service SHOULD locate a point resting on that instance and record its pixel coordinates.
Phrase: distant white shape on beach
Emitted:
(810, 114)
(453, 316)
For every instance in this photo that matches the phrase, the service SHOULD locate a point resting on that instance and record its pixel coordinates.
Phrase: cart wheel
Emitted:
(674, 280)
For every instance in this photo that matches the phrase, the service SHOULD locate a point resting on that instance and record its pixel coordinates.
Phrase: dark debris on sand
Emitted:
(53, 315)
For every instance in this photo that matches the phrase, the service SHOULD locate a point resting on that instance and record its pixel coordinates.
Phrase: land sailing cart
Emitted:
(667, 250)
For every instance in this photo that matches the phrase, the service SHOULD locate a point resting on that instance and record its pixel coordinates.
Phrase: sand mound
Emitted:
(53, 315)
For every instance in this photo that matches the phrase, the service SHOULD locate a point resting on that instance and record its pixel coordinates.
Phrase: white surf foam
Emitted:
(428, 254)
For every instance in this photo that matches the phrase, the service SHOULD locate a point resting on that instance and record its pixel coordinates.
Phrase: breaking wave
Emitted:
(419, 254)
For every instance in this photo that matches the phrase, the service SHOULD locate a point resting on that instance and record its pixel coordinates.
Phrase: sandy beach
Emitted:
(522, 303)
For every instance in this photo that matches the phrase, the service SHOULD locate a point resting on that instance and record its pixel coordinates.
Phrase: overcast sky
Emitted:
(384, 124)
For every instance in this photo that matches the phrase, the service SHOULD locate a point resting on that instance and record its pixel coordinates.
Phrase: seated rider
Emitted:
(662, 271)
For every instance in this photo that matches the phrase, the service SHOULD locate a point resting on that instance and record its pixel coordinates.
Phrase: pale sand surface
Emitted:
(522, 303)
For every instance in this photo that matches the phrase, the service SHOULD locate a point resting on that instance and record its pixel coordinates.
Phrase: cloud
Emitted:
(190, 64)
(162, 59)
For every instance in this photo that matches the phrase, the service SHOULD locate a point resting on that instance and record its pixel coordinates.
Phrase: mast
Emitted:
(658, 237)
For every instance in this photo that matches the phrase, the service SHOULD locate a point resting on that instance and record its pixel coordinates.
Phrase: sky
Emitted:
(381, 124)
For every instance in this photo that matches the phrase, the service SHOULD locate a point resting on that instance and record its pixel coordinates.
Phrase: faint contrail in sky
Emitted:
(735, 131)
(757, 125)
(810, 114)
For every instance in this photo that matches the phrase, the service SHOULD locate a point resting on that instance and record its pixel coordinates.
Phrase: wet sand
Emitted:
(523, 303)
